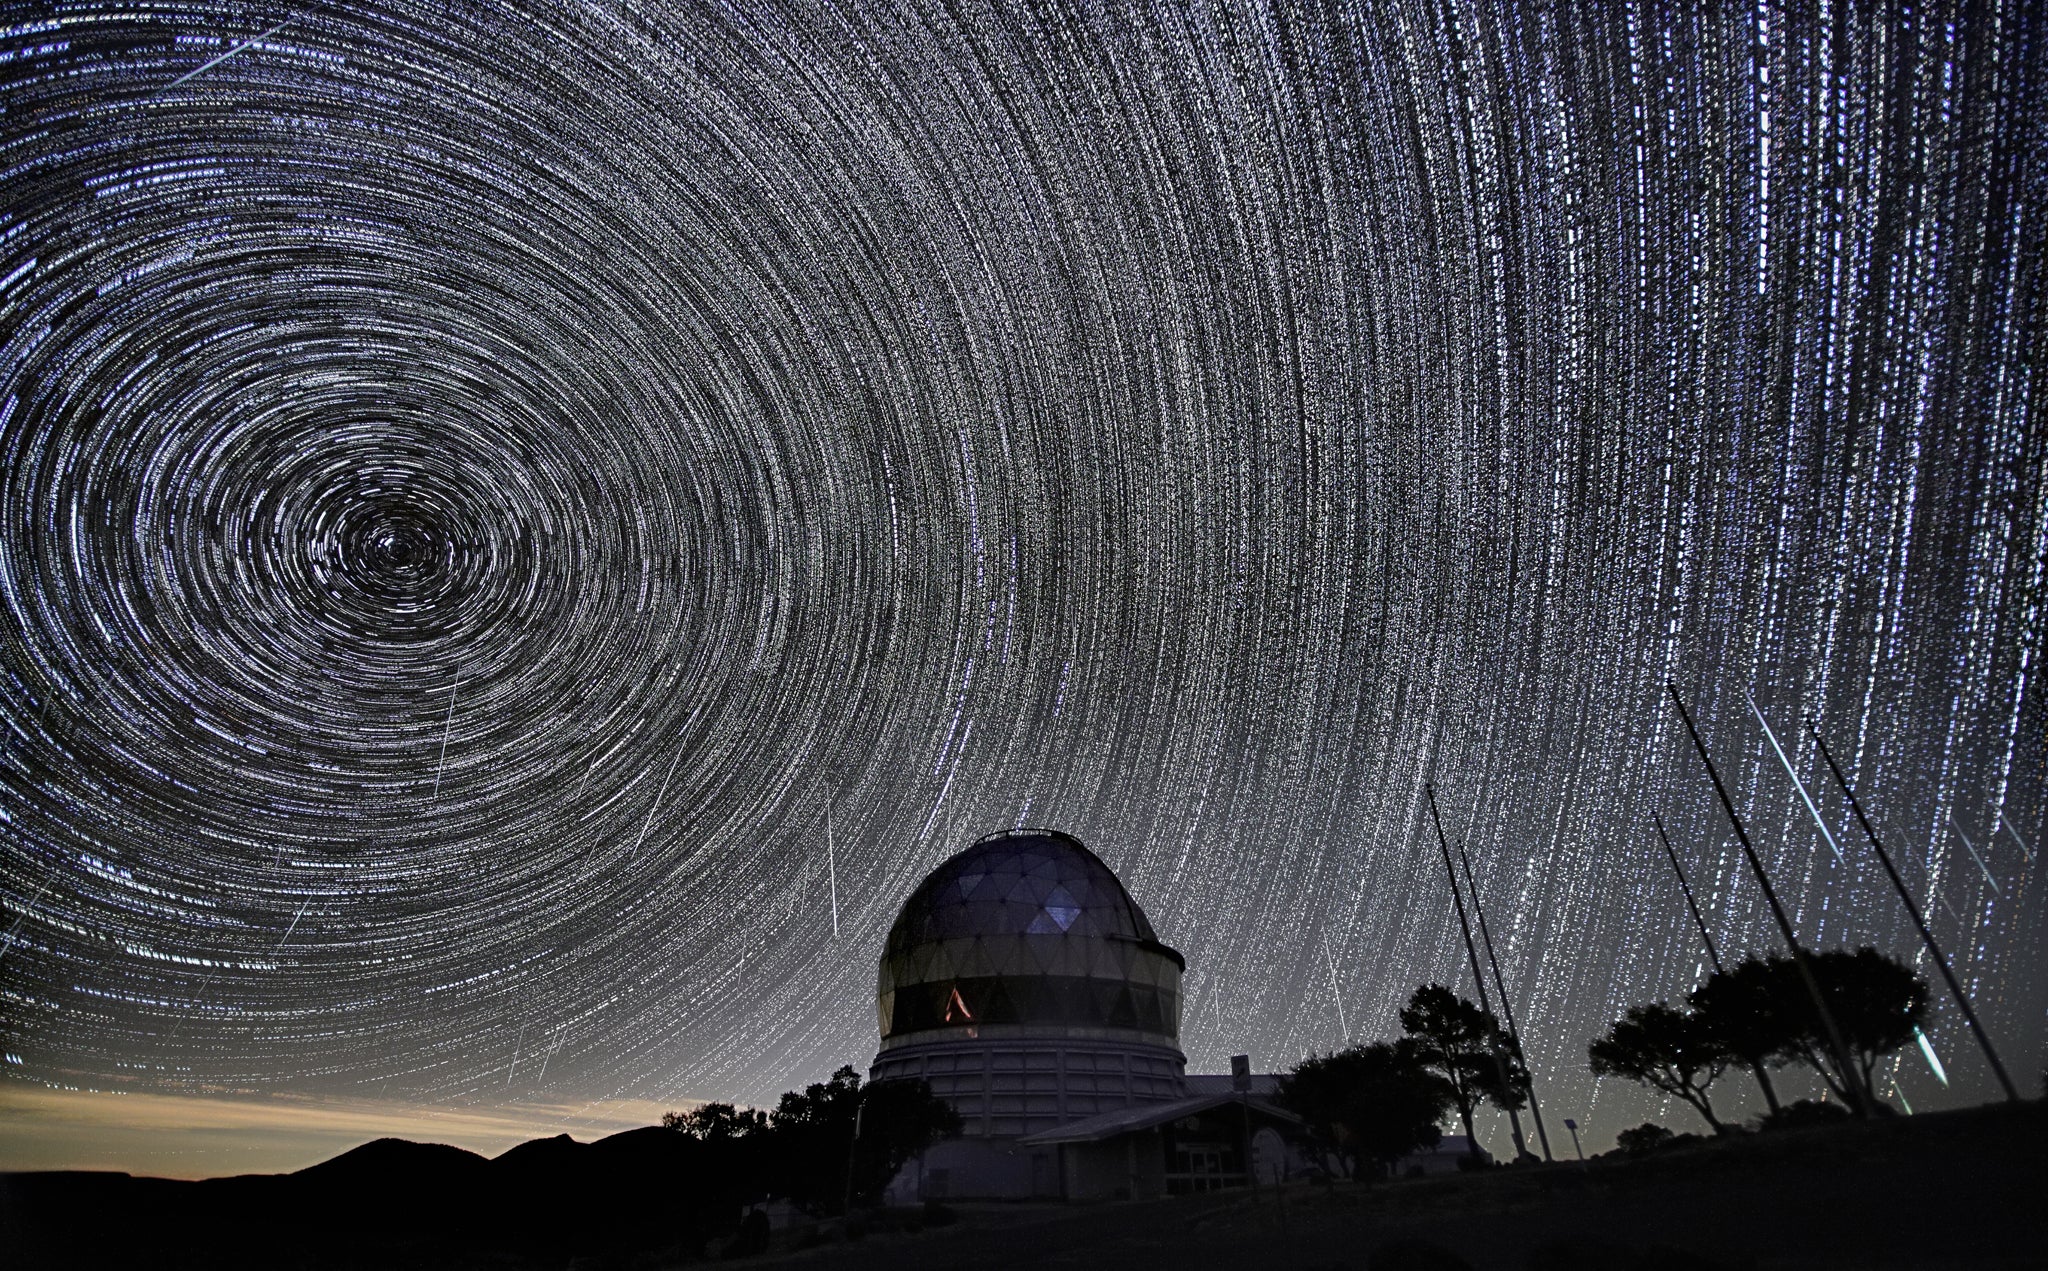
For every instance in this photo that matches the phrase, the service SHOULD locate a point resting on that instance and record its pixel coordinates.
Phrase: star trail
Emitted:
(526, 530)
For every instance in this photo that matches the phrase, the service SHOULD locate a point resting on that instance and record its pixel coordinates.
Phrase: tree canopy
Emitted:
(1878, 1003)
(717, 1122)
(803, 1149)
(1370, 1104)
(1667, 1049)
(1761, 1008)
(1465, 1046)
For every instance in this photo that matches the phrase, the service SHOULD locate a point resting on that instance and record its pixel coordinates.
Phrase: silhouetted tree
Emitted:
(1740, 1008)
(1465, 1046)
(717, 1122)
(811, 1136)
(1665, 1048)
(1374, 1102)
(898, 1119)
(1487, 1077)
(811, 1133)
(1877, 1004)
(735, 1146)
(1647, 1137)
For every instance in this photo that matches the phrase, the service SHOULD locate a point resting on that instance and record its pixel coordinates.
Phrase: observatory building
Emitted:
(1023, 983)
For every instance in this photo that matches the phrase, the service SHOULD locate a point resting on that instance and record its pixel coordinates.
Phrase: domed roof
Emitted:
(1020, 882)
(1026, 930)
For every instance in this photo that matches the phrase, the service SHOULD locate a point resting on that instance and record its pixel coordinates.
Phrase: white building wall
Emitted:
(1019, 1086)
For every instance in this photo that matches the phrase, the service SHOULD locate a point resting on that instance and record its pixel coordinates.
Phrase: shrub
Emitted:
(1804, 1113)
(1647, 1137)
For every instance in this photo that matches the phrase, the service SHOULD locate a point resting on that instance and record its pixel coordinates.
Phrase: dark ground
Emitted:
(1947, 1190)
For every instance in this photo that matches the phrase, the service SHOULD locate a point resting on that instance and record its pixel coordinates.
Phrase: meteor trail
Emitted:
(293, 927)
(446, 725)
(656, 805)
(1336, 996)
(2016, 836)
(832, 868)
(1972, 850)
(1797, 784)
(207, 66)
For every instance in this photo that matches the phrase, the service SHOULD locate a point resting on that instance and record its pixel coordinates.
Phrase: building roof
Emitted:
(1263, 1083)
(1144, 1116)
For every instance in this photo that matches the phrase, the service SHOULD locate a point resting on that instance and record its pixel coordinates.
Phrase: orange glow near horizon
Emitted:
(193, 1136)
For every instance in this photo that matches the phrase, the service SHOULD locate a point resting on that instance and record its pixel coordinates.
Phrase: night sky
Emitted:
(484, 487)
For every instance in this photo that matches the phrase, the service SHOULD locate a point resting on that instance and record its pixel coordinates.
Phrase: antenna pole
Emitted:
(1506, 1008)
(1851, 1079)
(1926, 936)
(1472, 953)
(1756, 1067)
(1712, 955)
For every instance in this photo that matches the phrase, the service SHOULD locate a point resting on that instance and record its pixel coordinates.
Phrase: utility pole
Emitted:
(1851, 1079)
(1506, 1008)
(1920, 922)
(1479, 981)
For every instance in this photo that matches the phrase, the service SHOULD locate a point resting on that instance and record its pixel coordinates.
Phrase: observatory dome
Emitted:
(1026, 931)
(1022, 983)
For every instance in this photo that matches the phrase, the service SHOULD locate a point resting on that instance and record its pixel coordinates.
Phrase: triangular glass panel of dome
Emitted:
(968, 882)
(1095, 961)
(1061, 907)
(1066, 957)
(1012, 956)
(1036, 950)
(973, 960)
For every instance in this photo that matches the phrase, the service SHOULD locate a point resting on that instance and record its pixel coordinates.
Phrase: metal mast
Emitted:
(1507, 1010)
(1472, 953)
(1852, 1080)
(1920, 922)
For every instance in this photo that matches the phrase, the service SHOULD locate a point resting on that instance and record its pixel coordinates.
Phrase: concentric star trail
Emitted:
(481, 485)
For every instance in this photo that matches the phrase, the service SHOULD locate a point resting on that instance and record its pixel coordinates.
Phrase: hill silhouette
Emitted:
(390, 1202)
(536, 1157)
(396, 1162)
